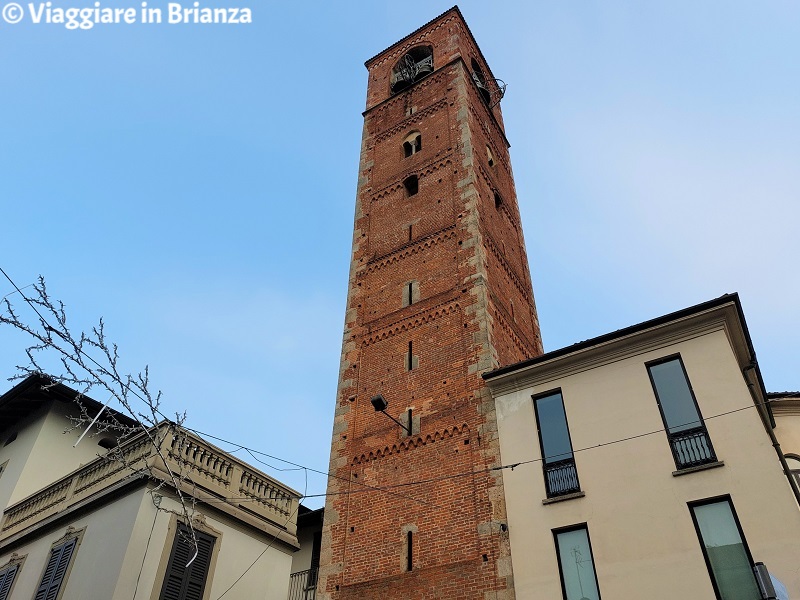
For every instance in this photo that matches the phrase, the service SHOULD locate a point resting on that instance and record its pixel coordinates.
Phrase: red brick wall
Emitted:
(468, 258)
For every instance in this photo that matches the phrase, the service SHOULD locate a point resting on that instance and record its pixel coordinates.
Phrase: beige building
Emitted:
(786, 408)
(645, 465)
(78, 526)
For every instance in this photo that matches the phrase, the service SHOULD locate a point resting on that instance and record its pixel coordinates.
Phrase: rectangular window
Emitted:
(687, 434)
(575, 564)
(56, 570)
(182, 582)
(727, 555)
(7, 575)
(558, 462)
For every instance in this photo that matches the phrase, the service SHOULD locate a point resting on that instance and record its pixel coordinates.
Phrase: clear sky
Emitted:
(195, 184)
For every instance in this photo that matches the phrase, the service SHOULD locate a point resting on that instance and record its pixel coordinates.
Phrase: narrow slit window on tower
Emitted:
(498, 200)
(410, 293)
(412, 144)
(412, 185)
(409, 551)
(489, 156)
(410, 233)
(410, 357)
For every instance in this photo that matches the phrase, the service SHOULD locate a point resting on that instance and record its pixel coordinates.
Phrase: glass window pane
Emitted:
(674, 395)
(726, 553)
(553, 427)
(577, 566)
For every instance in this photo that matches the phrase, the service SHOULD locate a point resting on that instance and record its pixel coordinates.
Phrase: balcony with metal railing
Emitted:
(303, 585)
(561, 477)
(691, 447)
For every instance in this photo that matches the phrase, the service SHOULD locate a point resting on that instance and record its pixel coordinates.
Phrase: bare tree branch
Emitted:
(89, 362)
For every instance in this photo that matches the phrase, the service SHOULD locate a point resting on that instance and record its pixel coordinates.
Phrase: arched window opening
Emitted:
(489, 156)
(480, 80)
(415, 65)
(412, 185)
(498, 201)
(412, 144)
(794, 466)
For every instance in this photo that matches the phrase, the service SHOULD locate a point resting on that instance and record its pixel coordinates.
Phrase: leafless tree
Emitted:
(89, 363)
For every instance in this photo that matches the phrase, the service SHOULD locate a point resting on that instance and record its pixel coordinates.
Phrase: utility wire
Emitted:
(512, 466)
(274, 537)
(386, 489)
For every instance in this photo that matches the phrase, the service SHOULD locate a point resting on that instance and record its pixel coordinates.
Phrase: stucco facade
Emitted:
(119, 528)
(634, 501)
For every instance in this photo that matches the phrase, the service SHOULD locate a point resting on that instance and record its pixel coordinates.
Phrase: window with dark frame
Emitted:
(686, 431)
(576, 564)
(7, 575)
(558, 461)
(56, 570)
(727, 556)
(182, 582)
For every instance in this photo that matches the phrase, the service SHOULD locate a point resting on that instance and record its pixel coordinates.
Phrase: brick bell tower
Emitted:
(439, 292)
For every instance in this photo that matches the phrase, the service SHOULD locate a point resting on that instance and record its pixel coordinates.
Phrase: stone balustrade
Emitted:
(178, 458)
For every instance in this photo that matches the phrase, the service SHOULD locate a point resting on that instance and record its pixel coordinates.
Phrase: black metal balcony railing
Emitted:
(561, 477)
(303, 585)
(691, 447)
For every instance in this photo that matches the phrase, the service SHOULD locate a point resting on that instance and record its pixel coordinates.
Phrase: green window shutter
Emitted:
(6, 579)
(180, 582)
(56, 569)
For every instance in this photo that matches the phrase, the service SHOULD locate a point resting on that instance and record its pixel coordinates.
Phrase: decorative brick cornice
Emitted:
(491, 245)
(415, 247)
(420, 84)
(410, 444)
(408, 122)
(504, 321)
(512, 219)
(498, 156)
(412, 322)
(420, 36)
(422, 171)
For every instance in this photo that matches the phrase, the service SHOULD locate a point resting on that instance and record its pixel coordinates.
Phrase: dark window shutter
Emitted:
(6, 579)
(180, 582)
(56, 569)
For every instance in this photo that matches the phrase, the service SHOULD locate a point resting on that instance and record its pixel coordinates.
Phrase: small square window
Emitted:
(411, 184)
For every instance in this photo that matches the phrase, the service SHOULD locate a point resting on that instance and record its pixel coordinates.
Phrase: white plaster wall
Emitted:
(238, 548)
(787, 430)
(97, 560)
(43, 453)
(641, 531)
(114, 550)
(17, 454)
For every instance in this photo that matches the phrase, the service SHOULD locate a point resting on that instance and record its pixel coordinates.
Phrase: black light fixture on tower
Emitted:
(380, 404)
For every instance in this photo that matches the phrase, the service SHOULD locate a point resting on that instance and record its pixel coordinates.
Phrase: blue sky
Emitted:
(194, 185)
